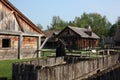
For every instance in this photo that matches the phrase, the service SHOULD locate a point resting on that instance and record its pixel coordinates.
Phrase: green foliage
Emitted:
(57, 23)
(113, 28)
(99, 24)
(118, 21)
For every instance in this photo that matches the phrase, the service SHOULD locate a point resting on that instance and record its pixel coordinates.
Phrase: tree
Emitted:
(118, 21)
(100, 25)
(113, 28)
(57, 23)
(40, 26)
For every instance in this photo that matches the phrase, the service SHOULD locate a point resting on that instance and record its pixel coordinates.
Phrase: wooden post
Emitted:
(108, 52)
(20, 46)
(38, 46)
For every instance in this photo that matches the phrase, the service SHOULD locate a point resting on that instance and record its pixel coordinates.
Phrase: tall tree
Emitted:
(118, 21)
(57, 23)
(113, 28)
(100, 25)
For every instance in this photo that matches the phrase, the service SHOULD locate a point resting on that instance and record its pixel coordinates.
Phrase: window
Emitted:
(6, 43)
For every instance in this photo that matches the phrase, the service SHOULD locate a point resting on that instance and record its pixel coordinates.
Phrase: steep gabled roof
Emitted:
(19, 14)
(82, 32)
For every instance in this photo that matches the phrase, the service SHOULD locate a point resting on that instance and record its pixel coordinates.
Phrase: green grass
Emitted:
(6, 68)
(47, 52)
(6, 65)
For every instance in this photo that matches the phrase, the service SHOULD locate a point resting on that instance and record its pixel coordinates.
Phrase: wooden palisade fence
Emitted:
(62, 68)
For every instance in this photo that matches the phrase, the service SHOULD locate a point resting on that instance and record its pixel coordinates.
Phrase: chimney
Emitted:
(88, 30)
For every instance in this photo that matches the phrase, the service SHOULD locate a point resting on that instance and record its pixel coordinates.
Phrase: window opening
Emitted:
(6, 43)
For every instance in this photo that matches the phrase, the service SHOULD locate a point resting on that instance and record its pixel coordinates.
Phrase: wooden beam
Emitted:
(20, 26)
(19, 33)
(38, 46)
(32, 34)
(20, 46)
(10, 33)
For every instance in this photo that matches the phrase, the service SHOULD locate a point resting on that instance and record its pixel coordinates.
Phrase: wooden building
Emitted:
(79, 38)
(19, 37)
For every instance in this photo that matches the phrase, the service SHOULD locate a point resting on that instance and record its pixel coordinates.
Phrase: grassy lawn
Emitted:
(6, 65)
(48, 52)
(6, 68)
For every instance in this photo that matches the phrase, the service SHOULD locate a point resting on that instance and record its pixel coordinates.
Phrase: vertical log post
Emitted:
(20, 46)
(38, 46)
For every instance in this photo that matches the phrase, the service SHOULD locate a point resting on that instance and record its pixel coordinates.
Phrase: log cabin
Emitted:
(19, 37)
(79, 38)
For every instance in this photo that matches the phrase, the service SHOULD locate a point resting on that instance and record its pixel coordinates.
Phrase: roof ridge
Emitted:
(76, 27)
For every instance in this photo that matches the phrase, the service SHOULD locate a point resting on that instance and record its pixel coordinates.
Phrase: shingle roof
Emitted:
(81, 32)
(49, 33)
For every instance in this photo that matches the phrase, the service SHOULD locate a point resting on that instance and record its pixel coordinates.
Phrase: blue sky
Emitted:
(42, 11)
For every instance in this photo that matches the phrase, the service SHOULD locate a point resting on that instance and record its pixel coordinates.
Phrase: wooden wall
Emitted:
(10, 52)
(13, 22)
(29, 46)
(87, 43)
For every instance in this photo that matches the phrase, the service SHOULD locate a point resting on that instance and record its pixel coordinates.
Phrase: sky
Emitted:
(42, 11)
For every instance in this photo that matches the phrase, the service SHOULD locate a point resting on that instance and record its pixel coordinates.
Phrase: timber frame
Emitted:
(23, 27)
